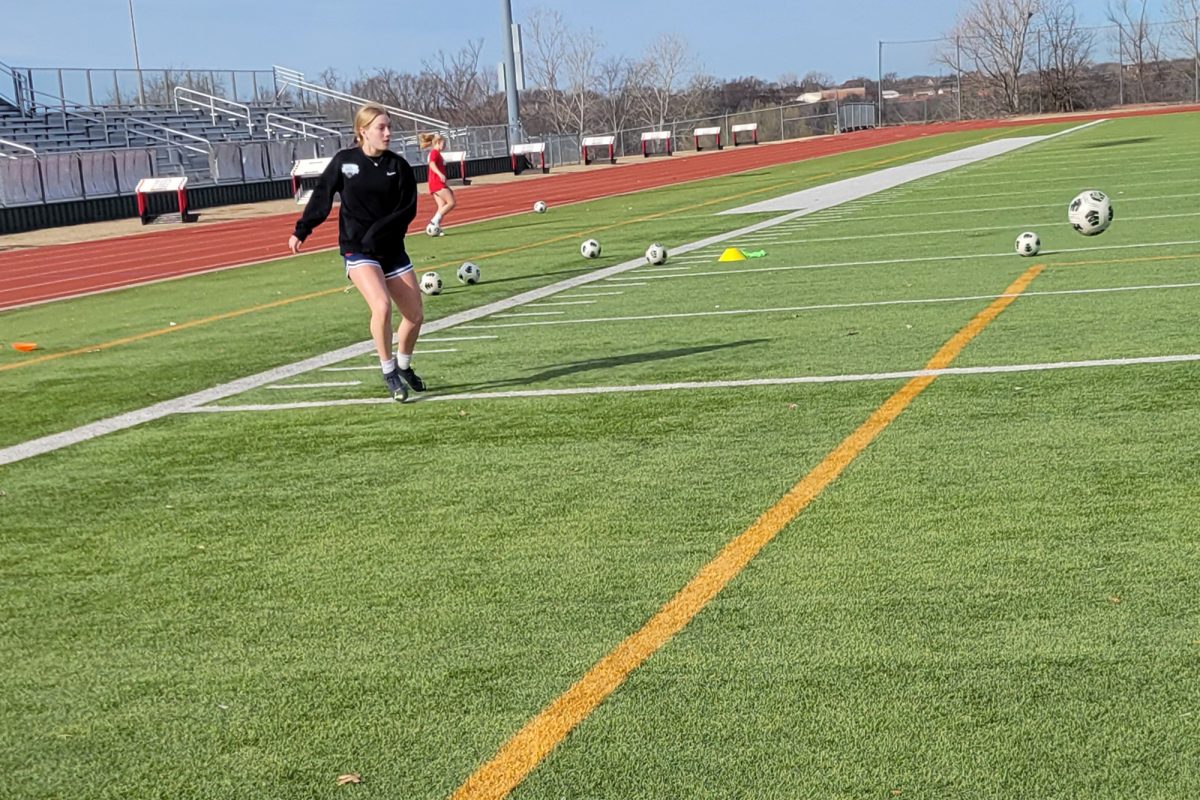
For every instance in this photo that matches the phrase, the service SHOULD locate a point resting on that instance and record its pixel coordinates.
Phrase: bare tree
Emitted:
(993, 36)
(1138, 46)
(1064, 55)
(814, 81)
(462, 90)
(1185, 30)
(545, 42)
(661, 72)
(580, 67)
(614, 81)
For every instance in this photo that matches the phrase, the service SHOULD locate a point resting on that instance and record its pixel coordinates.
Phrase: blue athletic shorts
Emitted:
(391, 269)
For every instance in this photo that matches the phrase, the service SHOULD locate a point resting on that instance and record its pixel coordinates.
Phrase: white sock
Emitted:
(387, 365)
(437, 219)
(403, 360)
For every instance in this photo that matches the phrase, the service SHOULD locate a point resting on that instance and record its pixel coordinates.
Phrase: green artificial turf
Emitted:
(996, 599)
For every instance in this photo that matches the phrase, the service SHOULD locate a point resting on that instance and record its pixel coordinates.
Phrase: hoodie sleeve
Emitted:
(392, 227)
(321, 202)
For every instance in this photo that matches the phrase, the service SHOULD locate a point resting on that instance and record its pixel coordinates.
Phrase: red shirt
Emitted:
(436, 184)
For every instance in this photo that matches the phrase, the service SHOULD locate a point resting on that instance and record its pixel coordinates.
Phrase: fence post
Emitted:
(1196, 63)
(879, 86)
(1120, 66)
(958, 75)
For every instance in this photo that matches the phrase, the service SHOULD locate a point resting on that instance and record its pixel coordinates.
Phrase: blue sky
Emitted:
(765, 38)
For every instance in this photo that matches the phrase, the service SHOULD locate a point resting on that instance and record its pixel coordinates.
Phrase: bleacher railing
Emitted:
(131, 87)
(291, 79)
(15, 146)
(216, 107)
(279, 122)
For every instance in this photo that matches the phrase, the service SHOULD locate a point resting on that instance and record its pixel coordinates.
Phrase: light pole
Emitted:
(137, 61)
(510, 73)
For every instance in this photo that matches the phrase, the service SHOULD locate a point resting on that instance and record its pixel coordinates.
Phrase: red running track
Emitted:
(54, 272)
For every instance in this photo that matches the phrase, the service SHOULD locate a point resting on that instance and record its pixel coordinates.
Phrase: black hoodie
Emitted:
(379, 200)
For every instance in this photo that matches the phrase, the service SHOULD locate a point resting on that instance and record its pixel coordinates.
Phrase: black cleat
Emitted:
(412, 379)
(396, 386)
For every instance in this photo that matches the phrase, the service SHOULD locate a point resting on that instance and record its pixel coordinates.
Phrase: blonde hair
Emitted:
(425, 140)
(365, 116)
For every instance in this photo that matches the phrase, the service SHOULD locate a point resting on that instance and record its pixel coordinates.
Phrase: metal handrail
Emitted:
(7, 143)
(29, 105)
(289, 77)
(207, 144)
(213, 104)
(302, 130)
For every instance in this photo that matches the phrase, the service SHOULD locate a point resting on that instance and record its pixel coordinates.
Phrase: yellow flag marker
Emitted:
(732, 254)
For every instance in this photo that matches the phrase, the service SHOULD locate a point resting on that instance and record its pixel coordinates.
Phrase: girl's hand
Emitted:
(294, 244)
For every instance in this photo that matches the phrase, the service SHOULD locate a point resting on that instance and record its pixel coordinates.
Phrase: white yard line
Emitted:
(914, 260)
(455, 338)
(326, 385)
(563, 303)
(734, 312)
(593, 294)
(784, 238)
(707, 385)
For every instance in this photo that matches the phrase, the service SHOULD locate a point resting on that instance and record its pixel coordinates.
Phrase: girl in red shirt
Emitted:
(443, 195)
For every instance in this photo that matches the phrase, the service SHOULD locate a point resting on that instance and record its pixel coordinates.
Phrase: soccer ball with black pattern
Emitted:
(656, 254)
(590, 249)
(431, 283)
(468, 273)
(1090, 213)
(1028, 244)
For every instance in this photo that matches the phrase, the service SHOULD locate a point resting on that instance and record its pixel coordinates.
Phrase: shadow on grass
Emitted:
(1121, 142)
(594, 364)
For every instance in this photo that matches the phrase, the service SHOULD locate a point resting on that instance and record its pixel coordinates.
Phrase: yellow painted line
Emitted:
(91, 348)
(525, 750)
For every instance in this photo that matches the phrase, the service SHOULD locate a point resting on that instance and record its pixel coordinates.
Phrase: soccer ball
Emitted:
(540, 207)
(1090, 213)
(656, 254)
(433, 229)
(590, 249)
(468, 273)
(1028, 244)
(431, 283)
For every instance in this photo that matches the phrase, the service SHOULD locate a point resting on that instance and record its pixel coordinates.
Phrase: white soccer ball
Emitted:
(656, 254)
(433, 229)
(1028, 244)
(431, 283)
(590, 248)
(1090, 213)
(468, 273)
(540, 207)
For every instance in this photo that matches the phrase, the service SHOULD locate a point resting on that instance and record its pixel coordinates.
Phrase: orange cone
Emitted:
(24, 347)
